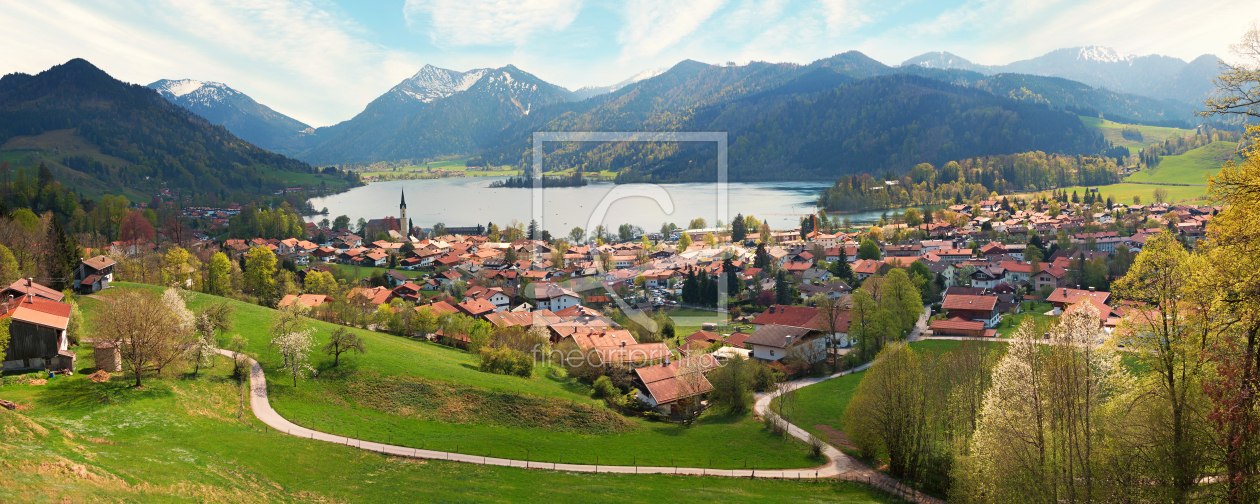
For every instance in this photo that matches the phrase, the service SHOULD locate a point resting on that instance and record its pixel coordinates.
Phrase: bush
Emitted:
(816, 446)
(763, 377)
(506, 361)
(604, 388)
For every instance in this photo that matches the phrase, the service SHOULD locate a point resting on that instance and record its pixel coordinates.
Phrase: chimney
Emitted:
(788, 339)
(1091, 289)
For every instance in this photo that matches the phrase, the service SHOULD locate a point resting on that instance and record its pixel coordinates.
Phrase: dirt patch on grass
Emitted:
(444, 402)
(836, 437)
(99, 376)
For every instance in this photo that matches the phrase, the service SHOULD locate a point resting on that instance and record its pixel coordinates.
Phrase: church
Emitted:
(388, 224)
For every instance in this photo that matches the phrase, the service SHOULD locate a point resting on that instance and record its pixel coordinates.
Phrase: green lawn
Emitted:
(1150, 134)
(182, 439)
(361, 272)
(1034, 311)
(1193, 167)
(1125, 192)
(354, 398)
(303, 179)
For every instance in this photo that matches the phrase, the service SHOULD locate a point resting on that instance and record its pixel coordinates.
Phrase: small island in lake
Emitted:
(527, 180)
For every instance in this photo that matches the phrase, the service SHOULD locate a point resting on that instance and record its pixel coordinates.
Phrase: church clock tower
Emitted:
(402, 209)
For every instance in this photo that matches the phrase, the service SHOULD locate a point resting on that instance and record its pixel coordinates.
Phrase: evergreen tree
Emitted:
(840, 267)
(733, 281)
(62, 256)
(739, 230)
(762, 259)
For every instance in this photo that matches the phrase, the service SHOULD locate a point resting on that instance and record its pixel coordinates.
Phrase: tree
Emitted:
(175, 268)
(439, 229)
(829, 313)
(684, 241)
(292, 339)
(868, 250)
(766, 237)
(888, 415)
(203, 350)
(135, 228)
(142, 327)
(1171, 341)
(732, 386)
(1041, 432)
(710, 240)
(1160, 195)
(4, 334)
(9, 270)
(219, 275)
(320, 282)
(840, 267)
(739, 229)
(576, 235)
(260, 274)
(343, 341)
(899, 294)
(62, 255)
(697, 223)
(913, 218)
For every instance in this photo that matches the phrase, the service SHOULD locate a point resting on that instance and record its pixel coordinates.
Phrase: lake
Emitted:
(468, 201)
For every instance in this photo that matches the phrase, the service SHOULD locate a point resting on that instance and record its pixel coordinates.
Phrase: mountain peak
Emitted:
(1099, 54)
(433, 83)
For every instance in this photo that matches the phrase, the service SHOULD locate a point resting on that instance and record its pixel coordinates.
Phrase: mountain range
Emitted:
(439, 112)
(1155, 76)
(100, 134)
(237, 112)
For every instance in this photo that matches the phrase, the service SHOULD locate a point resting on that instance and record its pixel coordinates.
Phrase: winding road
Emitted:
(839, 465)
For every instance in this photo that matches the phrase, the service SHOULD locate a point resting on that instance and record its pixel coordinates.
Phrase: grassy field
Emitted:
(1034, 311)
(1193, 167)
(377, 394)
(361, 272)
(1150, 134)
(303, 179)
(184, 439)
(1124, 192)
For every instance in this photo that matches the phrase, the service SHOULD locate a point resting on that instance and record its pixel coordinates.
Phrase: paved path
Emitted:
(262, 409)
(839, 464)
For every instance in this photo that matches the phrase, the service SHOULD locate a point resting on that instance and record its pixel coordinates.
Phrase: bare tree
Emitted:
(143, 328)
(343, 341)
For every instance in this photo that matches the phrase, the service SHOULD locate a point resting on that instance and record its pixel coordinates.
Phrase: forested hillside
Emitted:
(154, 144)
(819, 125)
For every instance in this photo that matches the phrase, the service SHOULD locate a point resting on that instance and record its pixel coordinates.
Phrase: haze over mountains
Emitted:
(440, 112)
(1162, 77)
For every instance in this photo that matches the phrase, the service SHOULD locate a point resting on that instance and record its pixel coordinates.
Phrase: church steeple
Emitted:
(402, 208)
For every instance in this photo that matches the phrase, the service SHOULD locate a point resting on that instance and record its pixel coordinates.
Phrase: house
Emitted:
(549, 296)
(304, 300)
(958, 327)
(793, 316)
(37, 334)
(25, 286)
(671, 387)
(774, 342)
(475, 308)
(92, 275)
(953, 255)
(864, 268)
(832, 290)
(1063, 297)
(910, 250)
(408, 291)
(493, 295)
(978, 308)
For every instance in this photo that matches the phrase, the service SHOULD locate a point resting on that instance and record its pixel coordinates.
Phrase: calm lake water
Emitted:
(469, 201)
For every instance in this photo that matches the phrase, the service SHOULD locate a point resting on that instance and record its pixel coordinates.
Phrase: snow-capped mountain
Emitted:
(433, 83)
(436, 112)
(1152, 75)
(252, 121)
(589, 91)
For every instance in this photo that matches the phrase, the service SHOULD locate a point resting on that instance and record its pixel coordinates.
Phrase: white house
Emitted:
(549, 296)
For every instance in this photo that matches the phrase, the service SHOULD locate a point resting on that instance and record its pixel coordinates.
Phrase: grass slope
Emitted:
(188, 440)
(1150, 134)
(339, 402)
(1192, 167)
(1124, 192)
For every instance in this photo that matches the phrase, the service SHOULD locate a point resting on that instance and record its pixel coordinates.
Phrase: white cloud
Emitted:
(489, 22)
(653, 26)
(845, 14)
(292, 55)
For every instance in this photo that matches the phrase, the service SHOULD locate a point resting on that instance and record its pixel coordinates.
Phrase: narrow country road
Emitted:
(839, 465)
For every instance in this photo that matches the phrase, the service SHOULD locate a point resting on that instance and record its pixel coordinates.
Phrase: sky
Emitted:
(322, 61)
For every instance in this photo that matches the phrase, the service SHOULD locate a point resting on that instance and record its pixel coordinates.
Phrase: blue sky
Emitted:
(322, 61)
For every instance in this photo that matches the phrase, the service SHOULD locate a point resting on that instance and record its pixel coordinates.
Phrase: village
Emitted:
(787, 298)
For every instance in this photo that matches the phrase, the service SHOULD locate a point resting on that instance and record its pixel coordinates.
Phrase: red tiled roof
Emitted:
(794, 316)
(957, 302)
(20, 285)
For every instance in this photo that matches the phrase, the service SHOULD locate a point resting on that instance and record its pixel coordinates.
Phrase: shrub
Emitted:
(816, 446)
(604, 388)
(506, 361)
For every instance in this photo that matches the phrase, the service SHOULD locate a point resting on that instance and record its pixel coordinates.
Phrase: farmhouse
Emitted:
(92, 275)
(37, 334)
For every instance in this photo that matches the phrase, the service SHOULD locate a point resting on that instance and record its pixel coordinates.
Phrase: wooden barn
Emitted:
(37, 334)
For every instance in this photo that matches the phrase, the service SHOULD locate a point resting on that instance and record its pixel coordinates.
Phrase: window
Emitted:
(772, 353)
